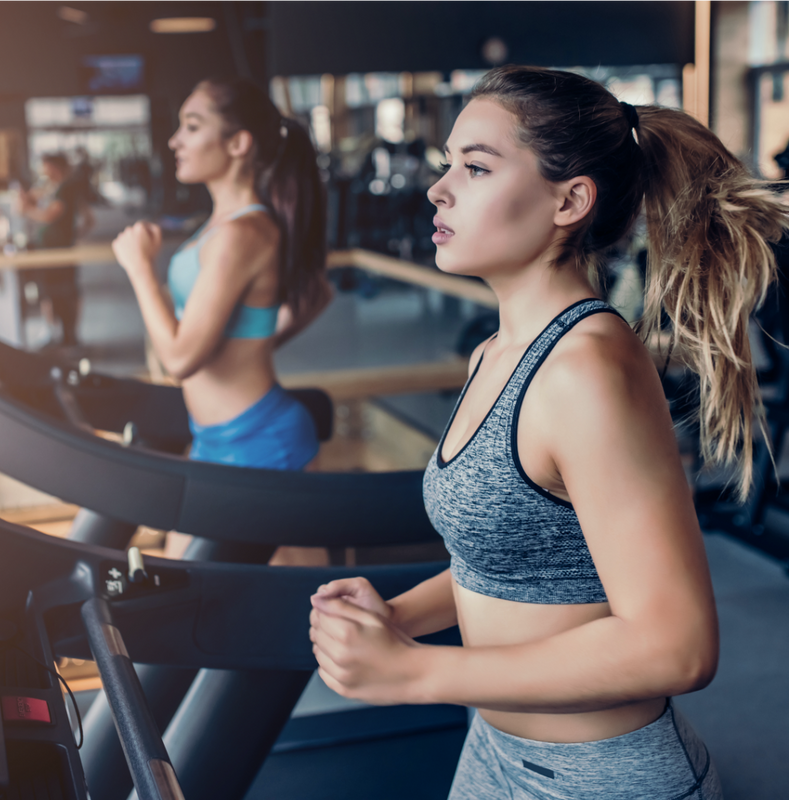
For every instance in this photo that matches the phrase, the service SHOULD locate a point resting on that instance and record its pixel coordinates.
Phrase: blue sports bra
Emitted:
(508, 537)
(246, 322)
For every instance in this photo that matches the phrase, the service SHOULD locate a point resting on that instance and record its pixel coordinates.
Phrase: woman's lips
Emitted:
(444, 232)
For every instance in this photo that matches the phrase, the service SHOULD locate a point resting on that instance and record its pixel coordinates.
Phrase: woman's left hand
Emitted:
(363, 656)
(137, 246)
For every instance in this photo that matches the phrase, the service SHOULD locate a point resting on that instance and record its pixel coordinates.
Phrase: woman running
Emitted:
(578, 574)
(248, 280)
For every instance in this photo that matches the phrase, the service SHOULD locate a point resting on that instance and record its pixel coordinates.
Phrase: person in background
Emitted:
(248, 280)
(58, 207)
(83, 170)
(578, 573)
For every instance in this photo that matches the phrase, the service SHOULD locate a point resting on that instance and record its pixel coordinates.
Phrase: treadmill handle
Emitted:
(149, 764)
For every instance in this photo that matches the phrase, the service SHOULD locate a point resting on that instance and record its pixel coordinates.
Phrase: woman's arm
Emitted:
(612, 443)
(427, 608)
(46, 215)
(229, 261)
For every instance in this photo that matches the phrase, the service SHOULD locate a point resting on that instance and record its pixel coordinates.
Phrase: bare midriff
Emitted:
(239, 374)
(489, 622)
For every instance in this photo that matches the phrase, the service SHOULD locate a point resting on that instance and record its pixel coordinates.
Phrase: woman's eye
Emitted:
(191, 128)
(444, 168)
(475, 171)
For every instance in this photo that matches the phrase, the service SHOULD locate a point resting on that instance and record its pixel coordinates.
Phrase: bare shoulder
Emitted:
(601, 367)
(599, 401)
(253, 236)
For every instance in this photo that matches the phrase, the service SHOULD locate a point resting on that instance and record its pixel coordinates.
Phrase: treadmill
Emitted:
(47, 414)
(61, 598)
(48, 410)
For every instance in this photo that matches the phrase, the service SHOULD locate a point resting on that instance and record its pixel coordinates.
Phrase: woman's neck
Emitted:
(228, 195)
(530, 298)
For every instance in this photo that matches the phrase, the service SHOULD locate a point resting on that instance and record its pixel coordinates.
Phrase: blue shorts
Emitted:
(277, 432)
(664, 760)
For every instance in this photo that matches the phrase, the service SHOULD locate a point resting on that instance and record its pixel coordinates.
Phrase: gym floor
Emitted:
(742, 715)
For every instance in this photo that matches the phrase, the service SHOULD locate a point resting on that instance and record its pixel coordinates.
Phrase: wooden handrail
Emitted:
(408, 272)
(58, 256)
(390, 267)
(362, 382)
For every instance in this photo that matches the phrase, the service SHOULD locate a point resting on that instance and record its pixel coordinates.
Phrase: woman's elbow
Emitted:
(181, 367)
(701, 667)
(690, 665)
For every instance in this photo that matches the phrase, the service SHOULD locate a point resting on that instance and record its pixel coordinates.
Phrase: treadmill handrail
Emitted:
(220, 502)
(146, 755)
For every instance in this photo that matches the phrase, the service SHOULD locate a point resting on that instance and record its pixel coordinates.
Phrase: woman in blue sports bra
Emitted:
(578, 575)
(249, 279)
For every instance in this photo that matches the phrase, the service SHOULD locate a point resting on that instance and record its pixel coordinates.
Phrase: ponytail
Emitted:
(294, 189)
(709, 266)
(286, 176)
(709, 223)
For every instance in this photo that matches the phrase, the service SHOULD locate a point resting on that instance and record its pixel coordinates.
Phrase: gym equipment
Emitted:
(47, 416)
(63, 598)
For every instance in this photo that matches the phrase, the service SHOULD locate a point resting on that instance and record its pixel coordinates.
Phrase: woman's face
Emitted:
(201, 152)
(495, 211)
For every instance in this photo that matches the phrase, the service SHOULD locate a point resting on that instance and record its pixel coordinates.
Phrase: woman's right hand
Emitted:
(358, 591)
(136, 247)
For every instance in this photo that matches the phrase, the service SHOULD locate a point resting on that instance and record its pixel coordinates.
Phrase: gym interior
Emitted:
(98, 501)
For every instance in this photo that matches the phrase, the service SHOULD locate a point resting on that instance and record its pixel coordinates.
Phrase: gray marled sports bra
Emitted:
(507, 536)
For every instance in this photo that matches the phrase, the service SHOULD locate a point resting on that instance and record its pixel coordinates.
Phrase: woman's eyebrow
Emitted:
(476, 148)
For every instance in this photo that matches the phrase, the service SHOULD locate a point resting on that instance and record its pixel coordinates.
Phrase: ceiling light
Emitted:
(494, 51)
(183, 25)
(69, 14)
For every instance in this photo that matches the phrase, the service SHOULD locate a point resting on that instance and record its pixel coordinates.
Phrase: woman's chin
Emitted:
(452, 266)
(184, 176)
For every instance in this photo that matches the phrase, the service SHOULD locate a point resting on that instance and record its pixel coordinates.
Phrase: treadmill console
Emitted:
(38, 754)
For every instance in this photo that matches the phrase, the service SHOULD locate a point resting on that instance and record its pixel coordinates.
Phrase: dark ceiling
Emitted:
(341, 37)
(40, 53)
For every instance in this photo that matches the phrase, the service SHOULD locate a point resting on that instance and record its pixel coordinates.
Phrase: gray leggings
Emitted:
(665, 760)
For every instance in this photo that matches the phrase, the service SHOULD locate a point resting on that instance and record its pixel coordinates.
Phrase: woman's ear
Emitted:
(577, 197)
(240, 144)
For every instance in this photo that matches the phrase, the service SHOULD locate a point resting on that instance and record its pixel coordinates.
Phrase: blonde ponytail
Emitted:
(709, 266)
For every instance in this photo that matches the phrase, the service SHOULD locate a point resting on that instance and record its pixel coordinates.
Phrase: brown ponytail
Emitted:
(709, 229)
(286, 176)
(295, 191)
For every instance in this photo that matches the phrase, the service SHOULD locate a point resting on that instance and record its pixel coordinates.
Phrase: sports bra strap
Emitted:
(199, 238)
(542, 346)
(246, 210)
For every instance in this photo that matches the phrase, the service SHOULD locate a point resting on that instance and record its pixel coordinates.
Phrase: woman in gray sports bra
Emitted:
(578, 574)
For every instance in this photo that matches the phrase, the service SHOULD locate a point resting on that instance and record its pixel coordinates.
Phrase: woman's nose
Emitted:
(173, 141)
(438, 193)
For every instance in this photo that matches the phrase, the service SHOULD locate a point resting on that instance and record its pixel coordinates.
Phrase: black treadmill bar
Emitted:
(149, 764)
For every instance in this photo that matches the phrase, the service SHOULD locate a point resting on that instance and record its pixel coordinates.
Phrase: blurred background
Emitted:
(379, 85)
